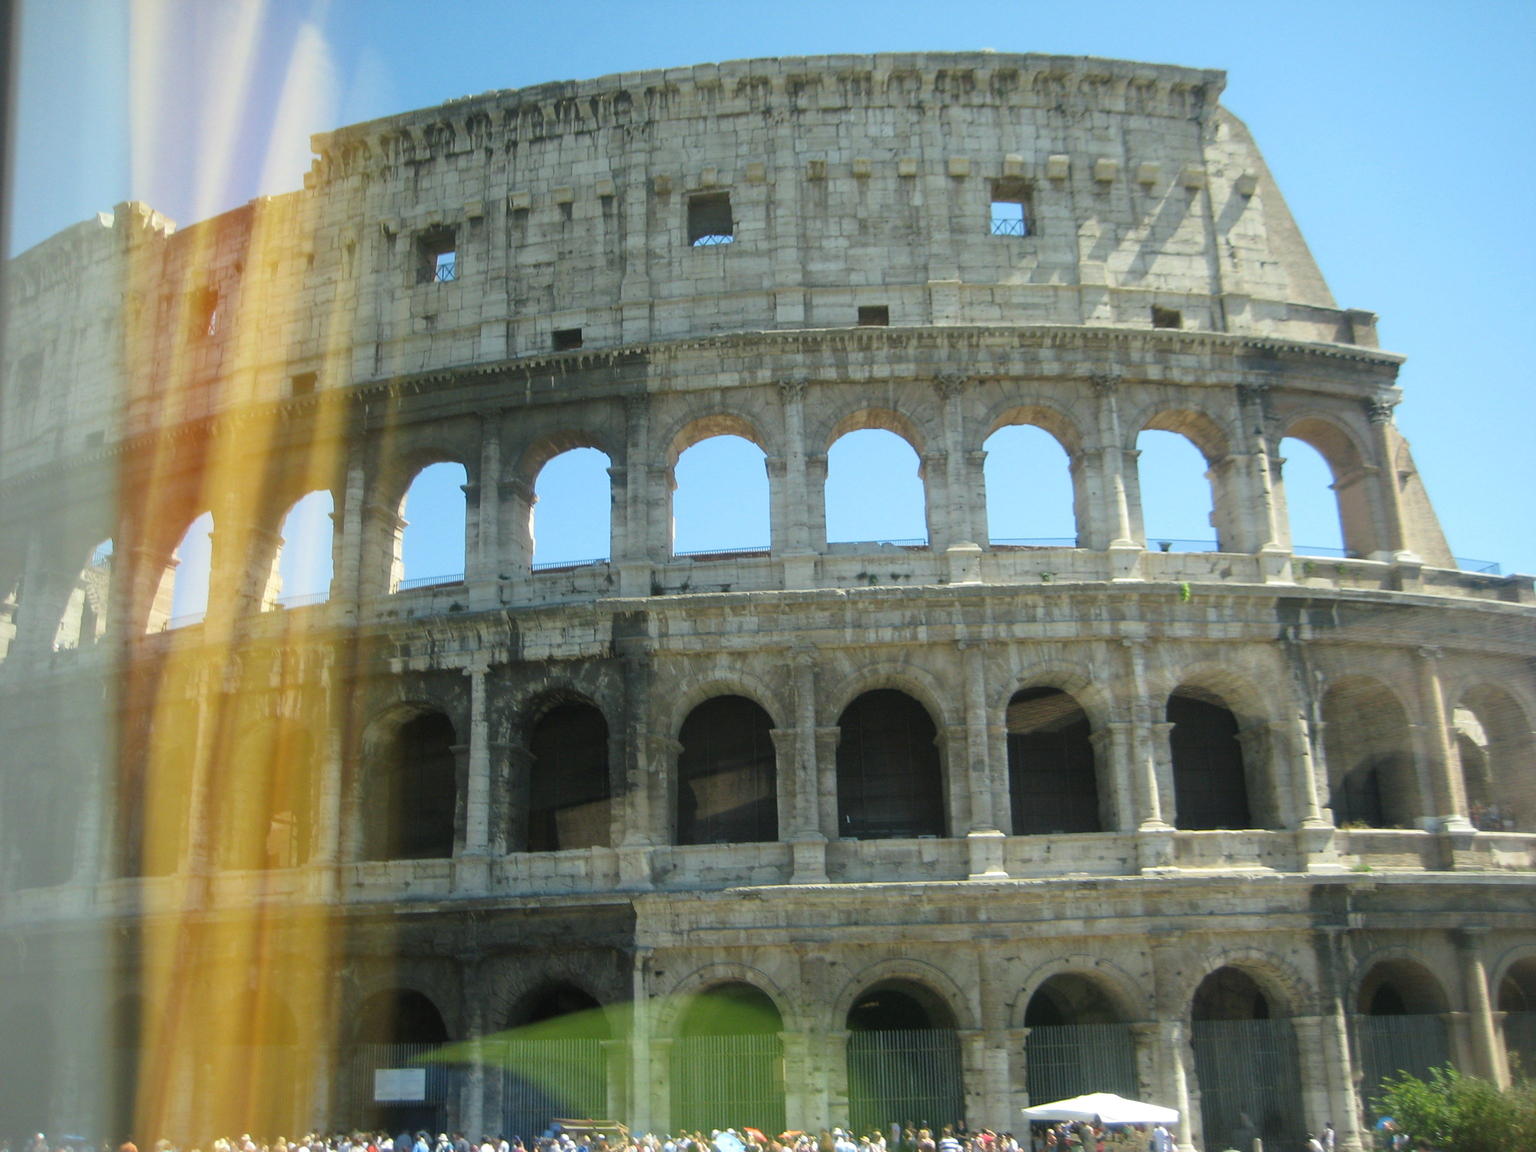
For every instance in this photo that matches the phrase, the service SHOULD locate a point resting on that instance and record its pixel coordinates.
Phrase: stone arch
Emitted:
(1515, 998)
(1398, 1006)
(1234, 1023)
(884, 419)
(676, 998)
(1368, 746)
(702, 424)
(1079, 1038)
(1345, 455)
(575, 498)
(1056, 782)
(560, 1007)
(891, 780)
(1001, 462)
(410, 778)
(1288, 991)
(185, 586)
(302, 563)
(1213, 489)
(915, 681)
(1128, 995)
(267, 796)
(85, 614)
(1061, 423)
(1495, 746)
(1079, 679)
(569, 802)
(727, 1058)
(903, 1055)
(452, 550)
(689, 694)
(399, 1014)
(887, 448)
(735, 475)
(727, 774)
(547, 445)
(1217, 774)
(904, 970)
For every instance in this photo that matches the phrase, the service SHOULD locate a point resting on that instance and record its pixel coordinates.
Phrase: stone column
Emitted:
(200, 820)
(793, 525)
(1146, 1042)
(639, 549)
(514, 505)
(1149, 744)
(471, 870)
(518, 775)
(805, 828)
(965, 493)
(1333, 1037)
(1112, 754)
(347, 541)
(1447, 791)
(1388, 498)
(1487, 1048)
(325, 851)
(985, 839)
(648, 1060)
(483, 566)
(472, 1095)
(1114, 528)
(827, 741)
(800, 1080)
(240, 562)
(1175, 1057)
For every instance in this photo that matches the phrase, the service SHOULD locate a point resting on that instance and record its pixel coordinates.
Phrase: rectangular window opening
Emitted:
(874, 316)
(205, 312)
(1010, 213)
(709, 220)
(1167, 317)
(302, 383)
(437, 256)
(567, 339)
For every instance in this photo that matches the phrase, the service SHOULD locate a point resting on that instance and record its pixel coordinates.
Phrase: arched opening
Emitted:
(570, 791)
(874, 490)
(555, 1059)
(30, 1070)
(1400, 1024)
(84, 620)
(573, 510)
(728, 1061)
(41, 819)
(268, 799)
(1310, 502)
(903, 1060)
(183, 596)
(1369, 750)
(889, 780)
(1327, 489)
(1210, 783)
(1030, 497)
(429, 548)
(304, 558)
(727, 779)
(1078, 1042)
(1176, 499)
(1052, 779)
(154, 827)
(1493, 736)
(409, 791)
(720, 498)
(1517, 1002)
(1245, 1064)
(252, 1084)
(398, 1029)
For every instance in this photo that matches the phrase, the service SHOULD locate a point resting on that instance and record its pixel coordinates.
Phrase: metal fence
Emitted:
(904, 1076)
(731, 1080)
(354, 1090)
(543, 1079)
(1392, 1044)
(1068, 1060)
(1250, 1083)
(1520, 1042)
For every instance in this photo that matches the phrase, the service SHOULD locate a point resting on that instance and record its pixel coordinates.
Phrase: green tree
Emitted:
(1456, 1113)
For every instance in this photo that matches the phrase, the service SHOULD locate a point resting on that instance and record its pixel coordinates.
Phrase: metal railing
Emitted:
(714, 240)
(561, 565)
(725, 553)
(430, 581)
(1006, 227)
(1034, 542)
(302, 599)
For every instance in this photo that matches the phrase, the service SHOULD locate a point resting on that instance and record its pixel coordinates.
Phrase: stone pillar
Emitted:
(200, 821)
(1487, 1048)
(472, 1094)
(827, 740)
(643, 1115)
(964, 490)
(985, 839)
(1337, 1066)
(1114, 527)
(483, 566)
(816, 501)
(241, 560)
(794, 526)
(1175, 1057)
(639, 550)
(800, 1080)
(471, 870)
(1447, 792)
(347, 541)
(325, 850)
(514, 505)
(1112, 754)
(1146, 1042)
(805, 828)
(1388, 499)
(1149, 744)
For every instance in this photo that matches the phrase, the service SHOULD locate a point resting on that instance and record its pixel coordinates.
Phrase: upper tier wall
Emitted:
(846, 181)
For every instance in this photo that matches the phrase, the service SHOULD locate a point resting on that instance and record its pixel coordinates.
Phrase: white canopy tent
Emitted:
(1102, 1108)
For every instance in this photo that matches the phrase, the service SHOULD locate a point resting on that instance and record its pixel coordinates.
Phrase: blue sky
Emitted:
(1402, 134)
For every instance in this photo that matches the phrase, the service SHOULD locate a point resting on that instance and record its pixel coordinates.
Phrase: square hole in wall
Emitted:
(1011, 213)
(567, 339)
(1167, 317)
(302, 383)
(709, 220)
(437, 255)
(874, 316)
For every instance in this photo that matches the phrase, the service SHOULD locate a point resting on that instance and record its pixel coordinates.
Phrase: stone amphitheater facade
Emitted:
(955, 826)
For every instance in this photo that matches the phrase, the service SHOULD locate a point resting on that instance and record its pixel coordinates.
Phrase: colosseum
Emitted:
(822, 831)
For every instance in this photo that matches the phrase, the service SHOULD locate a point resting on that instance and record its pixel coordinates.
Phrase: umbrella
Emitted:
(1103, 1108)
